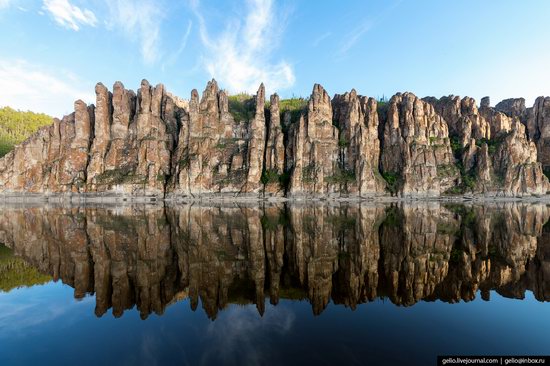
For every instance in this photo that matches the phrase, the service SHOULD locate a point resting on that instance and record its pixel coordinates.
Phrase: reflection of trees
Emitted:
(350, 254)
(15, 272)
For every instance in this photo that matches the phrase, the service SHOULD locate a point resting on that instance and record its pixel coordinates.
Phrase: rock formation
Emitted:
(538, 126)
(154, 144)
(314, 141)
(274, 167)
(416, 148)
(359, 145)
(217, 153)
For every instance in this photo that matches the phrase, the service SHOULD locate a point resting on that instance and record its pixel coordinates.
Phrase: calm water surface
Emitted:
(280, 284)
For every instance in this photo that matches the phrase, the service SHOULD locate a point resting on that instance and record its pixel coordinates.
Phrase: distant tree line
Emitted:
(16, 126)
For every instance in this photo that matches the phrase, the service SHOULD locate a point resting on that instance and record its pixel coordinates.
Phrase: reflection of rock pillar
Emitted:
(322, 255)
(257, 258)
(416, 250)
(357, 276)
(102, 266)
(78, 244)
(274, 250)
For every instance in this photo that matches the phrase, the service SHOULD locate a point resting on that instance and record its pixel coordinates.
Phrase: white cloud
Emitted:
(68, 15)
(240, 56)
(27, 86)
(140, 20)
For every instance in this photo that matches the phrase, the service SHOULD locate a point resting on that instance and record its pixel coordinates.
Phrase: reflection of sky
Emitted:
(25, 309)
(45, 325)
(241, 335)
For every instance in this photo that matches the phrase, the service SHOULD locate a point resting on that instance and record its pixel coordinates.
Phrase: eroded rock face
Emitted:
(513, 107)
(538, 126)
(52, 160)
(315, 148)
(359, 146)
(216, 153)
(462, 117)
(495, 154)
(513, 169)
(150, 257)
(154, 144)
(416, 150)
(274, 149)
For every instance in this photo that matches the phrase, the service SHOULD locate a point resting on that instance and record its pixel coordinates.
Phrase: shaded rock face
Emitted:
(152, 257)
(416, 148)
(154, 144)
(513, 107)
(538, 127)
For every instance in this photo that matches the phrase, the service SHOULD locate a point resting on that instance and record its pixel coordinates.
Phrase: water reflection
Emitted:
(153, 256)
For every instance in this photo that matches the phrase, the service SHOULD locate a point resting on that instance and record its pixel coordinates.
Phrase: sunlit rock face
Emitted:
(134, 138)
(359, 144)
(315, 148)
(152, 144)
(151, 257)
(497, 154)
(416, 147)
(217, 153)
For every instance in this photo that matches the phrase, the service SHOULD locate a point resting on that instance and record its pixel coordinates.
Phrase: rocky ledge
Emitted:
(154, 144)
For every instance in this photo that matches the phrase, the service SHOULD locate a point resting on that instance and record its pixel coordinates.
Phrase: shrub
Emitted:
(242, 107)
(341, 177)
(342, 142)
(308, 173)
(456, 147)
(269, 176)
(294, 105)
(392, 180)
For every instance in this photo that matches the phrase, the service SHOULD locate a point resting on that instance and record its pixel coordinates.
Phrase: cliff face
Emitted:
(151, 257)
(215, 152)
(154, 144)
(416, 148)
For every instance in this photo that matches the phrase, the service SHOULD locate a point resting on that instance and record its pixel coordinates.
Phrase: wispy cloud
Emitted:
(240, 57)
(321, 38)
(355, 35)
(140, 20)
(174, 56)
(358, 32)
(28, 86)
(68, 15)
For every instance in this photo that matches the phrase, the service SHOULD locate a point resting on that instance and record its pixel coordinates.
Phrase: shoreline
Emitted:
(111, 198)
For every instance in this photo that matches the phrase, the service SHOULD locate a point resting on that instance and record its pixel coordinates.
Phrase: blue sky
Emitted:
(54, 51)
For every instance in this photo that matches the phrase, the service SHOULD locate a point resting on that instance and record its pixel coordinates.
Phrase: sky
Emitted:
(53, 52)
